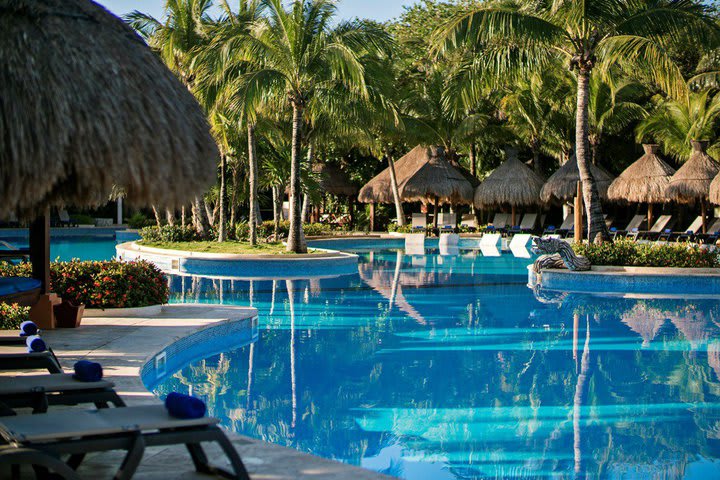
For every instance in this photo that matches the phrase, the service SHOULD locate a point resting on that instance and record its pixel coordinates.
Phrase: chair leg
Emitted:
(200, 460)
(241, 472)
(132, 459)
(37, 458)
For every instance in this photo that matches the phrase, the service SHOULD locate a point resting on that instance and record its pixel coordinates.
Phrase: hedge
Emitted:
(625, 252)
(12, 315)
(109, 284)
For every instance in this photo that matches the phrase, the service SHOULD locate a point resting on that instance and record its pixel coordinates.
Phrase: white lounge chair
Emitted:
(659, 227)
(633, 225)
(499, 222)
(469, 221)
(419, 221)
(527, 224)
(447, 221)
(688, 234)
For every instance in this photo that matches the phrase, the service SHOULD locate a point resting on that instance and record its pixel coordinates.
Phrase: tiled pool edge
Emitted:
(332, 263)
(630, 280)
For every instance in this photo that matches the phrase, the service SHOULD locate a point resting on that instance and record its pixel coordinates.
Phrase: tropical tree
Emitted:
(589, 36)
(177, 40)
(674, 123)
(298, 53)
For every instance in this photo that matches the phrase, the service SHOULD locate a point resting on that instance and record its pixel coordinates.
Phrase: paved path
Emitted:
(123, 345)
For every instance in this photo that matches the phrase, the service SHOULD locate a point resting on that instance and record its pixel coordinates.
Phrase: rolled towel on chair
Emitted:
(35, 344)
(184, 406)
(87, 371)
(28, 328)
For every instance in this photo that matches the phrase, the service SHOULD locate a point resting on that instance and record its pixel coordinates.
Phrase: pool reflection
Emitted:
(449, 367)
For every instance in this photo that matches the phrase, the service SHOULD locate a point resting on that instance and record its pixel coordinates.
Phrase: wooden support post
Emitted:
(650, 216)
(351, 211)
(514, 224)
(578, 213)
(372, 217)
(40, 250)
(436, 212)
(704, 217)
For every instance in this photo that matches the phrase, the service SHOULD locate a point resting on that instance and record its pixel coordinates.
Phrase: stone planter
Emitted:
(68, 315)
(124, 312)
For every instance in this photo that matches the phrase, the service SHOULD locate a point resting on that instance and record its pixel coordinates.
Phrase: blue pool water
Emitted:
(81, 247)
(449, 367)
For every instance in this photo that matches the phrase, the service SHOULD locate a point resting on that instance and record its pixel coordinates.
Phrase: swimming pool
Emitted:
(83, 247)
(449, 367)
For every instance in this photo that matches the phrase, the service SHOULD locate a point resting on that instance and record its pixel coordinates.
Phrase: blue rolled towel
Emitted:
(35, 344)
(184, 406)
(28, 328)
(87, 371)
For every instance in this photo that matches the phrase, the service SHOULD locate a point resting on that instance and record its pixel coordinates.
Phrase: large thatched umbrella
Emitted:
(512, 183)
(423, 175)
(644, 181)
(87, 105)
(562, 185)
(692, 181)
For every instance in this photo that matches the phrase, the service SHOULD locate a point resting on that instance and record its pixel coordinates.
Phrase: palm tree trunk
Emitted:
(183, 220)
(222, 227)
(277, 211)
(233, 196)
(306, 197)
(170, 216)
(158, 221)
(252, 180)
(200, 221)
(593, 208)
(395, 191)
(473, 159)
(536, 161)
(296, 242)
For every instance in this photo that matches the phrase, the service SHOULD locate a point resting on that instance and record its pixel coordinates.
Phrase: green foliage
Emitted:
(317, 229)
(12, 315)
(138, 221)
(267, 228)
(110, 284)
(394, 227)
(82, 219)
(625, 252)
(169, 233)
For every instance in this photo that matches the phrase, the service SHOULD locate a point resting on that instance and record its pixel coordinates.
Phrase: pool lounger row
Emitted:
(40, 439)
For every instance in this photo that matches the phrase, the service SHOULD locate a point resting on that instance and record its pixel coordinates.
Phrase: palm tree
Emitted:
(674, 123)
(297, 53)
(588, 35)
(177, 41)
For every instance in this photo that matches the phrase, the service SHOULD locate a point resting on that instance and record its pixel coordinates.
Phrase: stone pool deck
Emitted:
(123, 346)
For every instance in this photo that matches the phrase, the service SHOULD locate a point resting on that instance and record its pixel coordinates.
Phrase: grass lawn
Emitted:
(239, 248)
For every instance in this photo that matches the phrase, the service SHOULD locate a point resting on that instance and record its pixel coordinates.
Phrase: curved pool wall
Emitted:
(205, 343)
(333, 263)
(630, 280)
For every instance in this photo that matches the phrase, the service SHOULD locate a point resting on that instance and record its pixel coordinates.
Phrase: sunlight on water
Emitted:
(431, 367)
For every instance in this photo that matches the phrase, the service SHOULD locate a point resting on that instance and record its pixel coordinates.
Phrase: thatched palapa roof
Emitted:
(512, 183)
(692, 181)
(644, 181)
(333, 180)
(422, 174)
(85, 105)
(562, 185)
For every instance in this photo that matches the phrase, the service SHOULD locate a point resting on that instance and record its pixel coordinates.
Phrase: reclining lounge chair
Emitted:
(40, 439)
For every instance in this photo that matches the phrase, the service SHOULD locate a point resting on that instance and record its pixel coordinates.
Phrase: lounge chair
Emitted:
(64, 219)
(17, 358)
(633, 225)
(40, 391)
(687, 235)
(469, 221)
(22, 290)
(712, 236)
(499, 223)
(447, 221)
(527, 224)
(567, 227)
(40, 439)
(419, 221)
(661, 226)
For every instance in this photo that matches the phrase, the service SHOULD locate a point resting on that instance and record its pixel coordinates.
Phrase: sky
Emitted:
(380, 10)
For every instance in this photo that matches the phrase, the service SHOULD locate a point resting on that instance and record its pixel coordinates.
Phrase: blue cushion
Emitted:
(13, 285)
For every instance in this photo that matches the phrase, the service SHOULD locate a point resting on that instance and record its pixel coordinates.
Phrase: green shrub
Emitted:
(12, 315)
(625, 252)
(169, 233)
(110, 284)
(82, 219)
(317, 229)
(242, 231)
(394, 227)
(138, 220)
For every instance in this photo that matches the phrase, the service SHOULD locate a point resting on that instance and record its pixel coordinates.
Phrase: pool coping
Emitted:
(122, 345)
(234, 256)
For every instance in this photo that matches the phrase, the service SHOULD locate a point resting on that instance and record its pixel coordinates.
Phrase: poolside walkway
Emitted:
(123, 346)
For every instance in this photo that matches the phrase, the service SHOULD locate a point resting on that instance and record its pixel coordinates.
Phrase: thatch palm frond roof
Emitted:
(512, 183)
(422, 174)
(333, 180)
(87, 105)
(692, 181)
(562, 185)
(644, 181)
